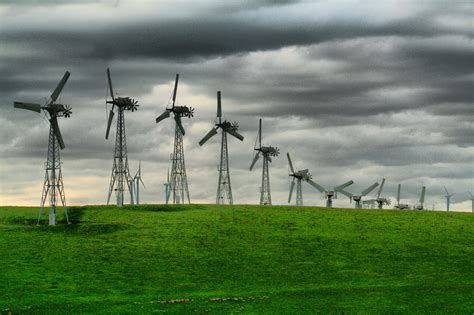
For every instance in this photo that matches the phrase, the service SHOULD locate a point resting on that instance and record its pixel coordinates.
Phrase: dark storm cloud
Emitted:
(353, 93)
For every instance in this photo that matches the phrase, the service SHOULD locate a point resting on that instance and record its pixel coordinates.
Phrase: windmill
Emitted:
(53, 186)
(120, 173)
(167, 187)
(419, 206)
(358, 198)
(179, 182)
(299, 176)
(268, 152)
(399, 205)
(224, 189)
(472, 201)
(137, 179)
(448, 198)
(330, 194)
(379, 201)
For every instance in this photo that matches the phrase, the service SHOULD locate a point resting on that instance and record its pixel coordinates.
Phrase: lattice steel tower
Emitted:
(224, 188)
(120, 177)
(178, 189)
(53, 186)
(267, 152)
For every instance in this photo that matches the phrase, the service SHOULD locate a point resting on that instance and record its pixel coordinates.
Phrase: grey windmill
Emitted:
(419, 205)
(167, 187)
(120, 178)
(137, 179)
(53, 186)
(330, 194)
(448, 198)
(179, 181)
(358, 198)
(224, 188)
(472, 201)
(268, 152)
(378, 200)
(298, 176)
(401, 206)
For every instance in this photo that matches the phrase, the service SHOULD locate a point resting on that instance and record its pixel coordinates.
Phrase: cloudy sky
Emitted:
(352, 89)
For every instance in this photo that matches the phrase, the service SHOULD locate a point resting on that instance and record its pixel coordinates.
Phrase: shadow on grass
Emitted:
(76, 225)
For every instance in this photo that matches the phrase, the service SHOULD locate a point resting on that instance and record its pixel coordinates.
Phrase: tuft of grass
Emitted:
(236, 259)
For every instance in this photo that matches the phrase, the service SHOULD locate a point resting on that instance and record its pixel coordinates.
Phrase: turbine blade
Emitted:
(344, 185)
(291, 190)
(380, 188)
(142, 182)
(57, 132)
(111, 89)
(29, 106)
(398, 192)
(316, 185)
(109, 123)
(235, 134)
(60, 86)
(256, 157)
(175, 89)
(289, 162)
(179, 124)
(208, 136)
(447, 193)
(165, 115)
(219, 107)
(369, 189)
(346, 193)
(260, 133)
(422, 197)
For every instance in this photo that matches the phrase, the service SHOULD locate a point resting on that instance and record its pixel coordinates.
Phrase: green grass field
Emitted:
(237, 259)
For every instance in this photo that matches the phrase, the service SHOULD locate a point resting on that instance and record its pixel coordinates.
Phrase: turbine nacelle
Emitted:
(302, 174)
(127, 103)
(59, 110)
(183, 111)
(271, 151)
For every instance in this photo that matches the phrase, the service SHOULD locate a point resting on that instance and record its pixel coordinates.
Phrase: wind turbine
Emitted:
(298, 176)
(448, 198)
(137, 179)
(472, 201)
(358, 198)
(268, 152)
(120, 176)
(53, 186)
(419, 206)
(224, 189)
(379, 201)
(399, 205)
(330, 194)
(179, 180)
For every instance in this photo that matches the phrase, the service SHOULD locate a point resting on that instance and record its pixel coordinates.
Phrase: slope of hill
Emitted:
(248, 259)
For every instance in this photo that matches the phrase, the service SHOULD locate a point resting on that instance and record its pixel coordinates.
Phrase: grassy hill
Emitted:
(237, 259)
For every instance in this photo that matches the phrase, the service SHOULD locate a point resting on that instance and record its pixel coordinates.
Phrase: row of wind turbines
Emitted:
(176, 187)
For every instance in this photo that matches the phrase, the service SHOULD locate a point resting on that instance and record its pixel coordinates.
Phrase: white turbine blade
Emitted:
(291, 189)
(57, 132)
(380, 188)
(316, 185)
(166, 114)
(175, 91)
(369, 189)
(234, 133)
(422, 197)
(29, 106)
(142, 182)
(219, 106)
(289, 162)
(254, 160)
(208, 136)
(60, 86)
(111, 89)
(109, 123)
(344, 185)
(445, 189)
(346, 193)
